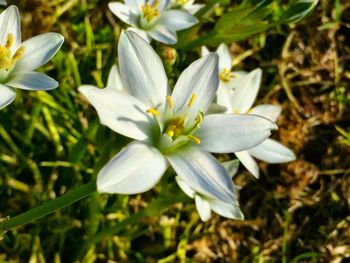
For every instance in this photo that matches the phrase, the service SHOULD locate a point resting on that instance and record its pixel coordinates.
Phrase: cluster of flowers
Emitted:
(208, 111)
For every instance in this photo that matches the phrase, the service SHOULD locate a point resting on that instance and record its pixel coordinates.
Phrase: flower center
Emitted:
(177, 128)
(149, 11)
(7, 60)
(226, 75)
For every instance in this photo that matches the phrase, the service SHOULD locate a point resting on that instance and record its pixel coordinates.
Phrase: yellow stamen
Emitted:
(192, 100)
(19, 53)
(10, 40)
(199, 118)
(194, 139)
(226, 75)
(150, 11)
(153, 111)
(170, 132)
(170, 101)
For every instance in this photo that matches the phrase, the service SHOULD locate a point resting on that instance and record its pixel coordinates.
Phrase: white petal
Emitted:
(246, 90)
(272, 151)
(177, 20)
(32, 81)
(119, 111)
(192, 9)
(226, 209)
(142, 70)
(268, 111)
(225, 133)
(162, 4)
(135, 169)
(202, 172)
(215, 109)
(123, 12)
(114, 79)
(141, 33)
(135, 5)
(223, 96)
(7, 95)
(163, 34)
(10, 23)
(231, 167)
(203, 208)
(225, 59)
(185, 187)
(199, 79)
(39, 50)
(248, 163)
(3, 2)
(204, 51)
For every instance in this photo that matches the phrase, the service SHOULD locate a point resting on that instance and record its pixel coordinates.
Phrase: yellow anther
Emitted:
(5, 58)
(153, 111)
(150, 11)
(199, 118)
(10, 40)
(19, 53)
(226, 75)
(170, 133)
(170, 101)
(194, 139)
(182, 2)
(192, 100)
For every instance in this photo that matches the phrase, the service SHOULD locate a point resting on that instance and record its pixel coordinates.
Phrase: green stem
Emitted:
(49, 207)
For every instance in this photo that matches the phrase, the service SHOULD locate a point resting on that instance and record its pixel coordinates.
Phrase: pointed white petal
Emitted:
(248, 163)
(123, 12)
(134, 5)
(225, 59)
(231, 167)
(7, 95)
(10, 23)
(142, 70)
(272, 151)
(141, 33)
(177, 20)
(39, 50)
(114, 79)
(163, 34)
(203, 208)
(227, 210)
(192, 9)
(135, 169)
(32, 81)
(246, 90)
(225, 133)
(223, 96)
(200, 170)
(119, 111)
(185, 187)
(204, 51)
(199, 79)
(268, 111)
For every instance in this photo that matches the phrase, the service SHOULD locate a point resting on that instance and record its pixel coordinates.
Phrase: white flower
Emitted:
(205, 204)
(3, 2)
(237, 92)
(169, 129)
(152, 20)
(187, 5)
(18, 60)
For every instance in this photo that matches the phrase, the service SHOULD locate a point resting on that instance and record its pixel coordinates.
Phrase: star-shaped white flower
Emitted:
(169, 128)
(237, 92)
(187, 5)
(18, 60)
(152, 19)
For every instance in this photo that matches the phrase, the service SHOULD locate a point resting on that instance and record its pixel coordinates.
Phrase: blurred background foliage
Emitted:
(51, 142)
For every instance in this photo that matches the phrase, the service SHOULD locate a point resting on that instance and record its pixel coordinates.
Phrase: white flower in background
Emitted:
(169, 128)
(237, 92)
(3, 2)
(18, 60)
(152, 20)
(187, 5)
(205, 204)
